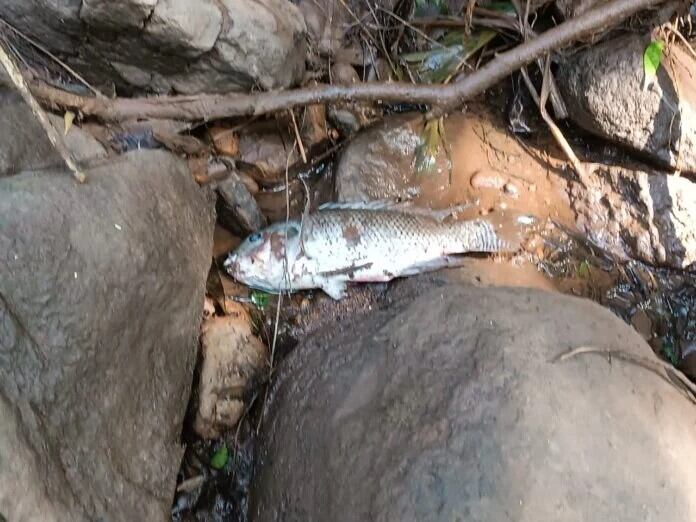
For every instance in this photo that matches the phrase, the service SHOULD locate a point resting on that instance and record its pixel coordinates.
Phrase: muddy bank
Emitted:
(633, 211)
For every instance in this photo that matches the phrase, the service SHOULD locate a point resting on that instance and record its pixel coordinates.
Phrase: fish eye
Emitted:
(256, 236)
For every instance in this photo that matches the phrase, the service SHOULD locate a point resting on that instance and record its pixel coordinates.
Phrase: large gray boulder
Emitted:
(603, 90)
(448, 405)
(101, 296)
(185, 46)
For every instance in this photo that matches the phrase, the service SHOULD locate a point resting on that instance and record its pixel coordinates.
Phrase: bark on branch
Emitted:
(447, 97)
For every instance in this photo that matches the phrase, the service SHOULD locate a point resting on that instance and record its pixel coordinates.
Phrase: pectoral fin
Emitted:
(448, 261)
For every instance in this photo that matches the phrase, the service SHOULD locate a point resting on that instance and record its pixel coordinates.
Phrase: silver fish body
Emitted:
(331, 248)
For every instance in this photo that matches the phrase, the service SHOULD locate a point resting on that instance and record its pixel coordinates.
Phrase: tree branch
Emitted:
(445, 97)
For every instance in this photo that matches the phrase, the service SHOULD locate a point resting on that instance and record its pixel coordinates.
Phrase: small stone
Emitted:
(237, 208)
(233, 358)
(490, 179)
(344, 74)
(511, 189)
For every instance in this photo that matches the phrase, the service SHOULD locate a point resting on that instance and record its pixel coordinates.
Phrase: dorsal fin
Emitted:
(397, 206)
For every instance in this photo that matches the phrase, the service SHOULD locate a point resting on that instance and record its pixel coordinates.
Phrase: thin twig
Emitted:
(657, 366)
(288, 281)
(410, 26)
(445, 97)
(52, 134)
(381, 39)
(678, 34)
(469, 16)
(526, 32)
(555, 131)
(298, 139)
(52, 57)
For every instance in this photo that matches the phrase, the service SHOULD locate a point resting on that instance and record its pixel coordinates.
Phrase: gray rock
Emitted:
(378, 162)
(189, 47)
(101, 296)
(638, 215)
(25, 145)
(264, 41)
(125, 14)
(603, 90)
(237, 208)
(56, 23)
(447, 406)
(179, 28)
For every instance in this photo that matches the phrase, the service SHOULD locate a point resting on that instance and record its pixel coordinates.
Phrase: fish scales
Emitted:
(362, 234)
(330, 248)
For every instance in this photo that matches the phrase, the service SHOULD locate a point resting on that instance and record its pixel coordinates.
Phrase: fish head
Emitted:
(262, 259)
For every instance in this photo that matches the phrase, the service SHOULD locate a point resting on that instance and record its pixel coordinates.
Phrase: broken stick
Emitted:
(53, 136)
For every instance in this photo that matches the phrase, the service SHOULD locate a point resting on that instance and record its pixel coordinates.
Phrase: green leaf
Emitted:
(438, 63)
(260, 299)
(584, 270)
(220, 458)
(652, 57)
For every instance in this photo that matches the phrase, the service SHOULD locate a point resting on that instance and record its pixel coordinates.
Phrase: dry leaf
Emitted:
(68, 118)
(225, 141)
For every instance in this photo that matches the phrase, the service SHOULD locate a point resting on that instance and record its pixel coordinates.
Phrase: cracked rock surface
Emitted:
(165, 46)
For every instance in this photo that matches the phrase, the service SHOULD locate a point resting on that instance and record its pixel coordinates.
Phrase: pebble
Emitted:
(511, 189)
(488, 179)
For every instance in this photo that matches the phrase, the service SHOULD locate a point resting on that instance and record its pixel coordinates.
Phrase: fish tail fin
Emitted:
(503, 233)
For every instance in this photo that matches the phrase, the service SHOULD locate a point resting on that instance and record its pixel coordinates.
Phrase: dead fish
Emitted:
(359, 243)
